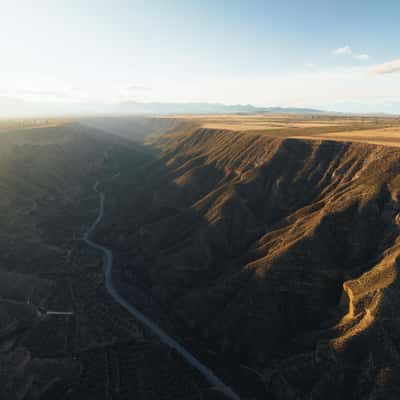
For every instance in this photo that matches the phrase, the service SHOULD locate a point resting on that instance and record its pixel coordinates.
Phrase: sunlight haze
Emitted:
(262, 53)
(200, 200)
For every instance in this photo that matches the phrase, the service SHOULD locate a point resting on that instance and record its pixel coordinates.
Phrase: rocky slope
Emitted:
(280, 251)
(61, 334)
(280, 254)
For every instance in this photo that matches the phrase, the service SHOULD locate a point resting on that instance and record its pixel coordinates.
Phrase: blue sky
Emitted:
(329, 54)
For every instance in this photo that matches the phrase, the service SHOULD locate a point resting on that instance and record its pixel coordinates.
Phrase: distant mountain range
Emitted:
(203, 108)
(13, 107)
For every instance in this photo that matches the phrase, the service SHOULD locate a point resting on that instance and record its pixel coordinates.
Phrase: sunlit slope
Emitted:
(273, 247)
(383, 130)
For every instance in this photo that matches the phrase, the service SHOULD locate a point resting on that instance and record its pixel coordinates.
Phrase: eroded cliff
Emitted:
(280, 251)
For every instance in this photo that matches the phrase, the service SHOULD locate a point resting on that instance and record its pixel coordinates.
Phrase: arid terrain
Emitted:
(266, 245)
(368, 129)
(62, 335)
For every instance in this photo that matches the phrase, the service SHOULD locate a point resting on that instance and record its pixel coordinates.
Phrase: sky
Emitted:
(341, 55)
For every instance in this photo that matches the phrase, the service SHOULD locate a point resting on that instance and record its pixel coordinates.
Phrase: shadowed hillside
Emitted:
(61, 335)
(281, 252)
(272, 259)
(137, 128)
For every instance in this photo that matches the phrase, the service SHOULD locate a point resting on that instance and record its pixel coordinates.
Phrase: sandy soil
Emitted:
(384, 130)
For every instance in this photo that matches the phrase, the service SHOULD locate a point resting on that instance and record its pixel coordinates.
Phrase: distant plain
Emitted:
(384, 130)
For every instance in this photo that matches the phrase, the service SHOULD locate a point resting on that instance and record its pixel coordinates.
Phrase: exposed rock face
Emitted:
(283, 251)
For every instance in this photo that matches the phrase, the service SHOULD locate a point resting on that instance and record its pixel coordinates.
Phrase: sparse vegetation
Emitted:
(271, 248)
(281, 250)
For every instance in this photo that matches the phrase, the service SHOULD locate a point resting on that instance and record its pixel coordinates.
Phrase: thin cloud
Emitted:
(361, 57)
(392, 67)
(46, 93)
(341, 51)
(310, 65)
(348, 51)
(138, 88)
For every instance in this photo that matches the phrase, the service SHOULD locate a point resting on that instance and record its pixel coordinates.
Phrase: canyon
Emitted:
(267, 245)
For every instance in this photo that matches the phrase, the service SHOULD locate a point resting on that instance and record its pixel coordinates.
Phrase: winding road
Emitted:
(209, 375)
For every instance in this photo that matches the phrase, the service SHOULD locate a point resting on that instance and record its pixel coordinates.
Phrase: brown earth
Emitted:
(96, 349)
(280, 250)
(272, 239)
(367, 129)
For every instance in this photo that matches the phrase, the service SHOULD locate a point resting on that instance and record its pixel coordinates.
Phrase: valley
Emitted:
(277, 249)
(199, 200)
(266, 246)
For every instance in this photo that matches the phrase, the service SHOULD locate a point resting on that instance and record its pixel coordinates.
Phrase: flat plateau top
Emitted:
(383, 130)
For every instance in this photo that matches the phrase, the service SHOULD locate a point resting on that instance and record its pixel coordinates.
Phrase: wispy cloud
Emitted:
(391, 67)
(341, 51)
(361, 57)
(138, 88)
(60, 94)
(310, 65)
(348, 51)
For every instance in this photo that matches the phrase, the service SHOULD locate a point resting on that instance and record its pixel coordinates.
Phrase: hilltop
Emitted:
(383, 130)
